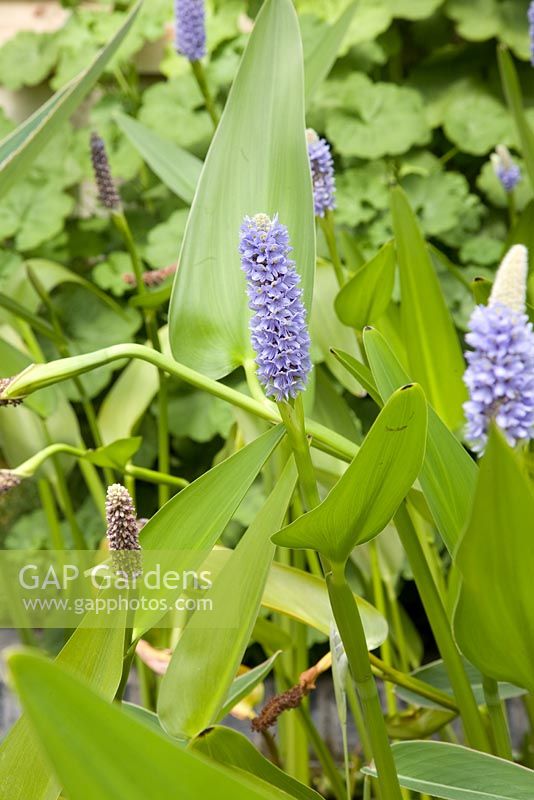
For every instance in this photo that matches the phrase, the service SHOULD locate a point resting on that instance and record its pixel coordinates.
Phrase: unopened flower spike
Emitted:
(123, 531)
(107, 191)
(7, 401)
(505, 169)
(322, 170)
(190, 28)
(8, 480)
(500, 375)
(279, 332)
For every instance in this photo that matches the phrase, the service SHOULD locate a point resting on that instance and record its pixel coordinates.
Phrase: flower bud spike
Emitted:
(510, 284)
(322, 170)
(279, 333)
(8, 480)
(504, 167)
(530, 15)
(190, 28)
(123, 531)
(7, 401)
(107, 192)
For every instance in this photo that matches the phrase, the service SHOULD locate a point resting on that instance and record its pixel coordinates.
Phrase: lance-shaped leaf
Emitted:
(512, 91)
(257, 162)
(494, 616)
(366, 296)
(432, 345)
(448, 474)
(188, 526)
(321, 57)
(122, 756)
(452, 772)
(216, 648)
(367, 495)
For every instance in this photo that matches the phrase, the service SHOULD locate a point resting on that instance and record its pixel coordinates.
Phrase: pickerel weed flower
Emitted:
(500, 375)
(278, 327)
(190, 28)
(322, 170)
(505, 169)
(107, 191)
(7, 401)
(530, 15)
(8, 480)
(123, 531)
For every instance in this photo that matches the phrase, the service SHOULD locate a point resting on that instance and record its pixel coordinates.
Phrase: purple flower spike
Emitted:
(322, 169)
(190, 28)
(278, 327)
(505, 169)
(500, 375)
(530, 15)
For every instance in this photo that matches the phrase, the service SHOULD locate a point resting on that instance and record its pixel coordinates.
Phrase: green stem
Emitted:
(200, 76)
(67, 507)
(38, 376)
(511, 208)
(293, 418)
(499, 725)
(398, 627)
(379, 600)
(474, 727)
(49, 507)
(328, 228)
(349, 623)
(357, 716)
(389, 673)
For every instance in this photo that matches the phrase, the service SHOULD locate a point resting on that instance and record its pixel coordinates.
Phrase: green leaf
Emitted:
(452, 772)
(263, 127)
(436, 361)
(448, 474)
(200, 416)
(361, 372)
(476, 122)
(365, 297)
(512, 91)
(244, 684)
(234, 750)
(418, 723)
(123, 757)
(182, 526)
(435, 674)
(38, 53)
(367, 495)
(236, 596)
(176, 167)
(115, 455)
(18, 149)
(493, 620)
(95, 655)
(319, 61)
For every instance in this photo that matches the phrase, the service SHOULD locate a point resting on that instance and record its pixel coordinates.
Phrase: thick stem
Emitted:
(379, 601)
(349, 623)
(499, 725)
(49, 507)
(474, 727)
(389, 673)
(328, 228)
(200, 76)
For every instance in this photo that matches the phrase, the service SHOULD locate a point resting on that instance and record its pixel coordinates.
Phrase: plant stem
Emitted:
(385, 647)
(357, 716)
(37, 376)
(200, 76)
(389, 673)
(499, 725)
(328, 228)
(474, 727)
(349, 623)
(511, 208)
(121, 223)
(293, 418)
(400, 637)
(49, 507)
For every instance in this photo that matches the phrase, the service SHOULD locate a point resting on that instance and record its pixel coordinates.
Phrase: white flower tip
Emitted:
(510, 285)
(263, 221)
(311, 136)
(503, 154)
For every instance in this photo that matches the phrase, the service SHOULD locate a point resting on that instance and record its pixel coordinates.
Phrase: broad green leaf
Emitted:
(95, 655)
(494, 616)
(434, 352)
(189, 525)
(365, 297)
(20, 147)
(320, 60)
(236, 597)
(451, 772)
(115, 455)
(176, 167)
(367, 495)
(262, 127)
(121, 756)
(244, 684)
(477, 121)
(512, 91)
(234, 750)
(448, 474)
(361, 372)
(435, 675)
